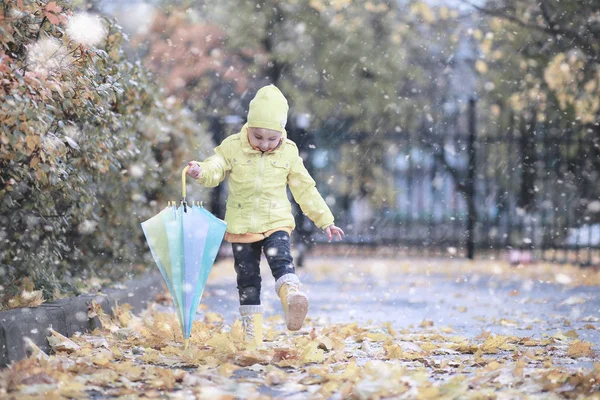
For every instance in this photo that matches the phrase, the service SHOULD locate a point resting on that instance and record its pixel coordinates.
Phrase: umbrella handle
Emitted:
(183, 189)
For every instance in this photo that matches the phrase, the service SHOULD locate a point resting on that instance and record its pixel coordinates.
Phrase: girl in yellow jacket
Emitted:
(260, 161)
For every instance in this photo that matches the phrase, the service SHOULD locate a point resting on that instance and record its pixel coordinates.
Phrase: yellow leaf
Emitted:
(580, 349)
(325, 343)
(572, 334)
(508, 322)
(559, 336)
(493, 366)
(348, 372)
(426, 323)
(129, 370)
(311, 353)
(491, 345)
(252, 357)
(390, 329)
(32, 141)
(116, 353)
(429, 347)
(478, 356)
(222, 343)
(102, 359)
(483, 335)
(151, 356)
(123, 314)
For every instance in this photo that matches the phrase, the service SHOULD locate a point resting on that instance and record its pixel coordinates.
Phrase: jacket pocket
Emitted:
(279, 169)
(243, 170)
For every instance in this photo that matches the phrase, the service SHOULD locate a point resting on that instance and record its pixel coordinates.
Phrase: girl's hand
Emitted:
(194, 171)
(334, 230)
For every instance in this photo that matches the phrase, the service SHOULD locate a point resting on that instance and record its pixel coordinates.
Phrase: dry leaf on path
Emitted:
(59, 342)
(580, 349)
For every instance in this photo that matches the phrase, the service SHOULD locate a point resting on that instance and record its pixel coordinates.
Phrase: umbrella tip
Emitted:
(186, 342)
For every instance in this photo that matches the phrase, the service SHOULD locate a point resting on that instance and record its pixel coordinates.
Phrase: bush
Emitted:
(88, 145)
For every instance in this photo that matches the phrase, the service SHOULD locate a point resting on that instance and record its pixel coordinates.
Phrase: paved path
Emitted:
(380, 291)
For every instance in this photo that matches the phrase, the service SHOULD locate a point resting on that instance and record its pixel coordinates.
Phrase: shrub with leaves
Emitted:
(87, 145)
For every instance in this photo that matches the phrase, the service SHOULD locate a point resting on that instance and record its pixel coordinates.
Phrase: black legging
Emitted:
(247, 264)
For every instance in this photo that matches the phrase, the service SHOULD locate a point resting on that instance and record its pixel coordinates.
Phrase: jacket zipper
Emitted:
(257, 194)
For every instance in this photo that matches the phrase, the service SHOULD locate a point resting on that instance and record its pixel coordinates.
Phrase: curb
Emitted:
(68, 316)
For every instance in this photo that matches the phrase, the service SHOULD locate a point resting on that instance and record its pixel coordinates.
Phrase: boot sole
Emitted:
(297, 310)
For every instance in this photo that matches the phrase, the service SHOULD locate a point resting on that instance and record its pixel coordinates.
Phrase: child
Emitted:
(259, 162)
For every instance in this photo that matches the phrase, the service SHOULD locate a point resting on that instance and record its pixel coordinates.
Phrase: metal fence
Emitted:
(525, 189)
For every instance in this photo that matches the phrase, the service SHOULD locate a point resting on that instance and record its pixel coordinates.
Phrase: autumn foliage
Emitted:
(87, 144)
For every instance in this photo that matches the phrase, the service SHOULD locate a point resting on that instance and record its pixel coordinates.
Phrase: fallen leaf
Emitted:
(311, 353)
(284, 354)
(508, 322)
(222, 343)
(248, 358)
(27, 299)
(580, 349)
(492, 344)
(325, 343)
(59, 342)
(483, 335)
(426, 323)
(572, 334)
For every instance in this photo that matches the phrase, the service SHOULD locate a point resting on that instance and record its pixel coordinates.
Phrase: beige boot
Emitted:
(294, 302)
(252, 324)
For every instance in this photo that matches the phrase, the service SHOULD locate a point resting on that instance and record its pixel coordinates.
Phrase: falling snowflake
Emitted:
(136, 170)
(87, 227)
(86, 29)
(48, 54)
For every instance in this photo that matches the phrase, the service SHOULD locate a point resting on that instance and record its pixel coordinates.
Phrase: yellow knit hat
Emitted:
(268, 109)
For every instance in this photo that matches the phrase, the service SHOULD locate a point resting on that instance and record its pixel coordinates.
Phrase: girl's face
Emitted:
(264, 139)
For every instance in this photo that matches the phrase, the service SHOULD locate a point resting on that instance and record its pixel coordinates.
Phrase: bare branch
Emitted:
(551, 27)
(561, 30)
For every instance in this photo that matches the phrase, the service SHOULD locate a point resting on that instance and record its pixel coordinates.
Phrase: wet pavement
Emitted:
(464, 304)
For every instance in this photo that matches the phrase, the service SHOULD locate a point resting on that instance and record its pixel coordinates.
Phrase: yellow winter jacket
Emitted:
(257, 201)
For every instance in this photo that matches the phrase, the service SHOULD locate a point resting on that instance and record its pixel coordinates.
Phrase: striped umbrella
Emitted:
(184, 242)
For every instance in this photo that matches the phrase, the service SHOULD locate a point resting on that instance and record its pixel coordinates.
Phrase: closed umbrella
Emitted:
(184, 241)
